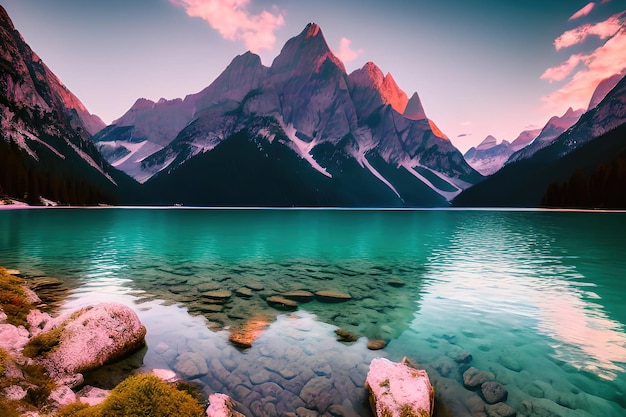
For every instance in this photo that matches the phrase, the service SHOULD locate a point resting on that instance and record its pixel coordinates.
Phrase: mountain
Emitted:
(45, 132)
(590, 145)
(603, 88)
(353, 139)
(555, 127)
(488, 156)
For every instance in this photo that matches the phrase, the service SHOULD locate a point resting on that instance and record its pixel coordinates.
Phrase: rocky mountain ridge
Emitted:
(306, 99)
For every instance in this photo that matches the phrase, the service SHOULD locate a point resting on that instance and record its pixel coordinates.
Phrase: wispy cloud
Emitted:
(603, 30)
(561, 72)
(345, 51)
(462, 135)
(234, 20)
(583, 12)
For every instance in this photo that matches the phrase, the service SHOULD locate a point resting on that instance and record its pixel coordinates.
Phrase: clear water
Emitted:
(535, 297)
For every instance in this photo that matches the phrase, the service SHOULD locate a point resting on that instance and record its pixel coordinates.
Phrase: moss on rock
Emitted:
(138, 396)
(13, 299)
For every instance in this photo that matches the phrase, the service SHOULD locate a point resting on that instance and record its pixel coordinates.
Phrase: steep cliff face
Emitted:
(45, 130)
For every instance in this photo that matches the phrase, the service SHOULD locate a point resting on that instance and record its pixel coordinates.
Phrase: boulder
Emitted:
(37, 321)
(493, 392)
(3, 316)
(221, 405)
(397, 389)
(244, 292)
(473, 378)
(92, 395)
(62, 396)
(92, 337)
(12, 338)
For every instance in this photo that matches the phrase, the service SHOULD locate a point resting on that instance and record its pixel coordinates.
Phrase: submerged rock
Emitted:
(344, 335)
(473, 378)
(376, 344)
(277, 301)
(91, 337)
(397, 389)
(503, 410)
(299, 295)
(494, 392)
(191, 365)
(243, 336)
(332, 296)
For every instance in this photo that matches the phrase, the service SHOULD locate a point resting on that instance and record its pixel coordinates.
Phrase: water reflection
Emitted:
(515, 274)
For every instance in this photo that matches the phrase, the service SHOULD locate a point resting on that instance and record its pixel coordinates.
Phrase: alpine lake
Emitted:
(535, 297)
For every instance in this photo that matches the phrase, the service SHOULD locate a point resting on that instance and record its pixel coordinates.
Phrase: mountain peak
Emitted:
(488, 142)
(414, 109)
(312, 30)
(306, 51)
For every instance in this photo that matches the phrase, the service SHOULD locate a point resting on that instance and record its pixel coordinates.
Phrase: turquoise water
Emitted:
(535, 297)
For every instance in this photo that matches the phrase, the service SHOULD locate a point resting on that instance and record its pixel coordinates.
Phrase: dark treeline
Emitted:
(21, 177)
(603, 187)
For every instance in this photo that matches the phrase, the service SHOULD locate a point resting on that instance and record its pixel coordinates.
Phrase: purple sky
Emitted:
(481, 67)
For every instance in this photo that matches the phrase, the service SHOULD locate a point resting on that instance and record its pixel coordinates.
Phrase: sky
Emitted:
(482, 67)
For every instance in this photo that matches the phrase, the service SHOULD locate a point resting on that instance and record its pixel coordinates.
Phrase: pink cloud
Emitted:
(583, 12)
(234, 20)
(561, 72)
(603, 62)
(603, 30)
(345, 51)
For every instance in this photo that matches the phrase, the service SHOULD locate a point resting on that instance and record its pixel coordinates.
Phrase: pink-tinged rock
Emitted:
(221, 405)
(3, 316)
(31, 297)
(92, 337)
(14, 393)
(37, 321)
(92, 395)
(397, 389)
(12, 338)
(62, 396)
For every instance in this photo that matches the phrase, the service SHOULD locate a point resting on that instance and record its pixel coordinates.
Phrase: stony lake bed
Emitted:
(531, 299)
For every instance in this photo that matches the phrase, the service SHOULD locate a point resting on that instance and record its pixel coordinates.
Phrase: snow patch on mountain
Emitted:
(34, 138)
(448, 195)
(90, 160)
(303, 148)
(362, 160)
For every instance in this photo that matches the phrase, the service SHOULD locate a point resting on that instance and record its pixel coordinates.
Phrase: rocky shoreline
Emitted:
(62, 348)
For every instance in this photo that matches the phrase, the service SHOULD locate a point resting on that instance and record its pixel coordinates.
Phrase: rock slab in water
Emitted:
(93, 336)
(332, 296)
(494, 392)
(396, 389)
(473, 378)
(283, 303)
(191, 365)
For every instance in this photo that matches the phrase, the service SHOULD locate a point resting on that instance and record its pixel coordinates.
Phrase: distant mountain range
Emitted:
(301, 132)
(593, 146)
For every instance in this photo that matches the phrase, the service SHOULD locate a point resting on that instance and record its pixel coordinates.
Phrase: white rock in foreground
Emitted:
(397, 389)
(92, 337)
(221, 405)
